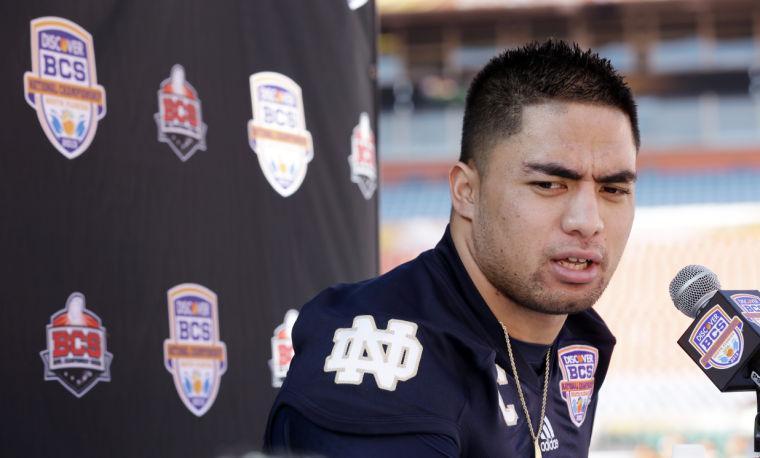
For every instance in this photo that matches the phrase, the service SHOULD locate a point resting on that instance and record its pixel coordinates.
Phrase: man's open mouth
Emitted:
(575, 263)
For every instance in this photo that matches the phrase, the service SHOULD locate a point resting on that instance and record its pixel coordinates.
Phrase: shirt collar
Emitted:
(479, 316)
(580, 326)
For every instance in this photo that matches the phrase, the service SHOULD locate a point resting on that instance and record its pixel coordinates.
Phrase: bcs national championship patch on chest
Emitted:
(578, 364)
(63, 84)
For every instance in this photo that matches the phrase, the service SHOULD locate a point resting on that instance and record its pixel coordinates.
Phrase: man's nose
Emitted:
(582, 216)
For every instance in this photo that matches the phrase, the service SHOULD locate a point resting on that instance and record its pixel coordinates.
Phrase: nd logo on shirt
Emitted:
(63, 84)
(391, 355)
(193, 353)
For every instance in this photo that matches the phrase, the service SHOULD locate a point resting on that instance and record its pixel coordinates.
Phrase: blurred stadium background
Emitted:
(695, 69)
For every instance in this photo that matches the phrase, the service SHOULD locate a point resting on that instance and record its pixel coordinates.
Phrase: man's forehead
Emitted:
(583, 137)
(567, 119)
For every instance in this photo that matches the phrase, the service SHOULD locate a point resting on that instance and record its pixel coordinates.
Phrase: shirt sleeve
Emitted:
(291, 432)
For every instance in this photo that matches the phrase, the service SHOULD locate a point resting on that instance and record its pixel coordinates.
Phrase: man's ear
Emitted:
(464, 186)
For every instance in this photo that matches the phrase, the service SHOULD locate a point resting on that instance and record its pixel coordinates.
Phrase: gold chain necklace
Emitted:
(533, 435)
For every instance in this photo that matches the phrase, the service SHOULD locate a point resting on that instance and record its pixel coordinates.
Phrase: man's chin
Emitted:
(544, 294)
(572, 300)
(564, 308)
(575, 297)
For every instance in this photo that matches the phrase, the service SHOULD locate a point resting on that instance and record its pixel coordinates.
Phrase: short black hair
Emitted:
(536, 73)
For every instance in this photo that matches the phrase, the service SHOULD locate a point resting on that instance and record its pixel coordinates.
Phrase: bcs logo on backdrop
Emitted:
(282, 348)
(193, 353)
(63, 84)
(362, 158)
(277, 133)
(76, 353)
(179, 118)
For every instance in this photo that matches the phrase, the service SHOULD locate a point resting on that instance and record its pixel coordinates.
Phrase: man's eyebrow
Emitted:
(625, 176)
(552, 168)
(559, 170)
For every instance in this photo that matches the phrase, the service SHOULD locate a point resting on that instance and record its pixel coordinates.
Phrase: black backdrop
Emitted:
(127, 219)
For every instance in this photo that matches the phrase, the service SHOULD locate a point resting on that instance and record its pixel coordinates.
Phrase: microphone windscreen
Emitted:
(692, 287)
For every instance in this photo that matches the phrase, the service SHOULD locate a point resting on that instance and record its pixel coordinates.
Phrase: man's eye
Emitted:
(547, 185)
(615, 190)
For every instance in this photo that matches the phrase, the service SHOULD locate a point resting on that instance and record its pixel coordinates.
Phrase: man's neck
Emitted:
(521, 323)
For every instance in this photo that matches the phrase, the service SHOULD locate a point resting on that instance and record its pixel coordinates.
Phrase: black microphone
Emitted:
(724, 339)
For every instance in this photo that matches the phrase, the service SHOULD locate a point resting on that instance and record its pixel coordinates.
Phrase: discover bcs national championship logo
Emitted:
(578, 365)
(76, 353)
(277, 133)
(193, 353)
(718, 339)
(63, 84)
(749, 304)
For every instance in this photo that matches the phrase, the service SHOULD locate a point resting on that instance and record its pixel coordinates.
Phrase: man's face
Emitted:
(555, 206)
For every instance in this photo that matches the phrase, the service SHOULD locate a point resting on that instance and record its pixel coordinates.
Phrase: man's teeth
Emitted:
(574, 263)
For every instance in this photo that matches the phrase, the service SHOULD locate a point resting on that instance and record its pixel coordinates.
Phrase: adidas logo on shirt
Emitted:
(549, 441)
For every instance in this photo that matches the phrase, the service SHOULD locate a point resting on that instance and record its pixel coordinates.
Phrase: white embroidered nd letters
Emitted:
(390, 355)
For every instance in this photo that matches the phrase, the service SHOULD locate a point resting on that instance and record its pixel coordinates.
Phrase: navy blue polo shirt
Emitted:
(417, 353)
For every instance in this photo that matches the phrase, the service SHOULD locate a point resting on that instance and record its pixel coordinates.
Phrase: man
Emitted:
(485, 346)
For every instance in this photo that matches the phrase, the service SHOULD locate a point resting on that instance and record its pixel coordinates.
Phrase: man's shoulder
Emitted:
(414, 292)
(399, 286)
(372, 357)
